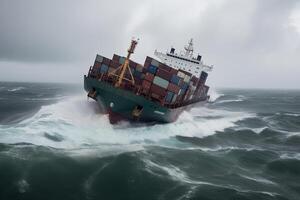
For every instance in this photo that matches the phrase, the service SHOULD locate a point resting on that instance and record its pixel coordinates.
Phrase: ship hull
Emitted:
(120, 103)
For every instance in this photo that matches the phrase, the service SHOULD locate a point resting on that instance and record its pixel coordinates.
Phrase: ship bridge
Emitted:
(184, 60)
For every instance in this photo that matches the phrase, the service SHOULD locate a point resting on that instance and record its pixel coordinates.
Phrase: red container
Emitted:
(148, 59)
(164, 67)
(116, 58)
(164, 74)
(194, 80)
(149, 77)
(156, 96)
(97, 64)
(138, 82)
(132, 64)
(146, 84)
(173, 71)
(145, 91)
(173, 88)
(106, 61)
(158, 90)
(114, 64)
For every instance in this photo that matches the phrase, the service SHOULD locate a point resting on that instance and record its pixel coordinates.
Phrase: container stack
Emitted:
(156, 80)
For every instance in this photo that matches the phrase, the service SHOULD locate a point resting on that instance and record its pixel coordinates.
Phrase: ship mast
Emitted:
(124, 67)
(189, 48)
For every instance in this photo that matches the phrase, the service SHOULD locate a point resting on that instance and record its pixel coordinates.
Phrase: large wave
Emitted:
(76, 122)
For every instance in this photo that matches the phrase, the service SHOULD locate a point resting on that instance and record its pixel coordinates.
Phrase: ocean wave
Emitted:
(174, 172)
(214, 95)
(289, 114)
(44, 99)
(259, 179)
(16, 89)
(230, 100)
(238, 98)
(79, 122)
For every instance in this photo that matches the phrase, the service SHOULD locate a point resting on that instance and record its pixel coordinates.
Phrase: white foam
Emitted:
(16, 89)
(78, 123)
(214, 95)
(230, 100)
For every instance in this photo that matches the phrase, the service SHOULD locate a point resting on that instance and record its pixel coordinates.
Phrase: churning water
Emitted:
(56, 144)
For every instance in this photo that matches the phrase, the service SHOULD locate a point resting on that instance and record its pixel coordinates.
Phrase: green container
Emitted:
(161, 82)
(122, 60)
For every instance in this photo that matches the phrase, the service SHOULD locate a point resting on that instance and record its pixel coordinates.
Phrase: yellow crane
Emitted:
(121, 71)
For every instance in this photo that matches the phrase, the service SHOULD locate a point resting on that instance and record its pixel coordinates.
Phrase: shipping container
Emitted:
(187, 78)
(174, 98)
(154, 62)
(184, 86)
(164, 74)
(173, 71)
(206, 88)
(116, 58)
(181, 74)
(103, 68)
(97, 64)
(139, 67)
(146, 84)
(194, 80)
(152, 69)
(99, 58)
(106, 61)
(122, 60)
(173, 88)
(132, 64)
(160, 82)
(176, 80)
(149, 77)
(110, 69)
(164, 67)
(158, 90)
(114, 64)
(155, 96)
(169, 96)
(148, 59)
(137, 74)
(203, 77)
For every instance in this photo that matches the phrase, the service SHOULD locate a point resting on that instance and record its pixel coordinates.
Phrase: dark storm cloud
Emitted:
(251, 43)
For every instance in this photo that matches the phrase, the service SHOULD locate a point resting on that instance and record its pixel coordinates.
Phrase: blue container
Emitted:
(185, 86)
(175, 79)
(182, 92)
(103, 68)
(169, 96)
(137, 74)
(152, 69)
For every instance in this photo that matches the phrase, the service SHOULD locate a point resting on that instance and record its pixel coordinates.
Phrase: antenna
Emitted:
(189, 48)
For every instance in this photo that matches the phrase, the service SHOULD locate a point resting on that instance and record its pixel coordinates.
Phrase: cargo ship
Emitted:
(157, 91)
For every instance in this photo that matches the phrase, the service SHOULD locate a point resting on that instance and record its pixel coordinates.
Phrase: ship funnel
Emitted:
(199, 57)
(172, 50)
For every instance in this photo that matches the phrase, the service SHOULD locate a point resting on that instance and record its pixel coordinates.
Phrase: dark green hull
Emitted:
(120, 103)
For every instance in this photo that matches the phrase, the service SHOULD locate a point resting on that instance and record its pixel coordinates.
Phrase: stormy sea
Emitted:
(56, 144)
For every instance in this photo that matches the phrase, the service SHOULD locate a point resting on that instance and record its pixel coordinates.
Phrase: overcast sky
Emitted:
(251, 43)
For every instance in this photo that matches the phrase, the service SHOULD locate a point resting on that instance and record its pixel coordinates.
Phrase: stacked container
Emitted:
(155, 80)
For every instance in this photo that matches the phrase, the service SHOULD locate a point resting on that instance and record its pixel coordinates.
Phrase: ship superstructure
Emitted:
(184, 60)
